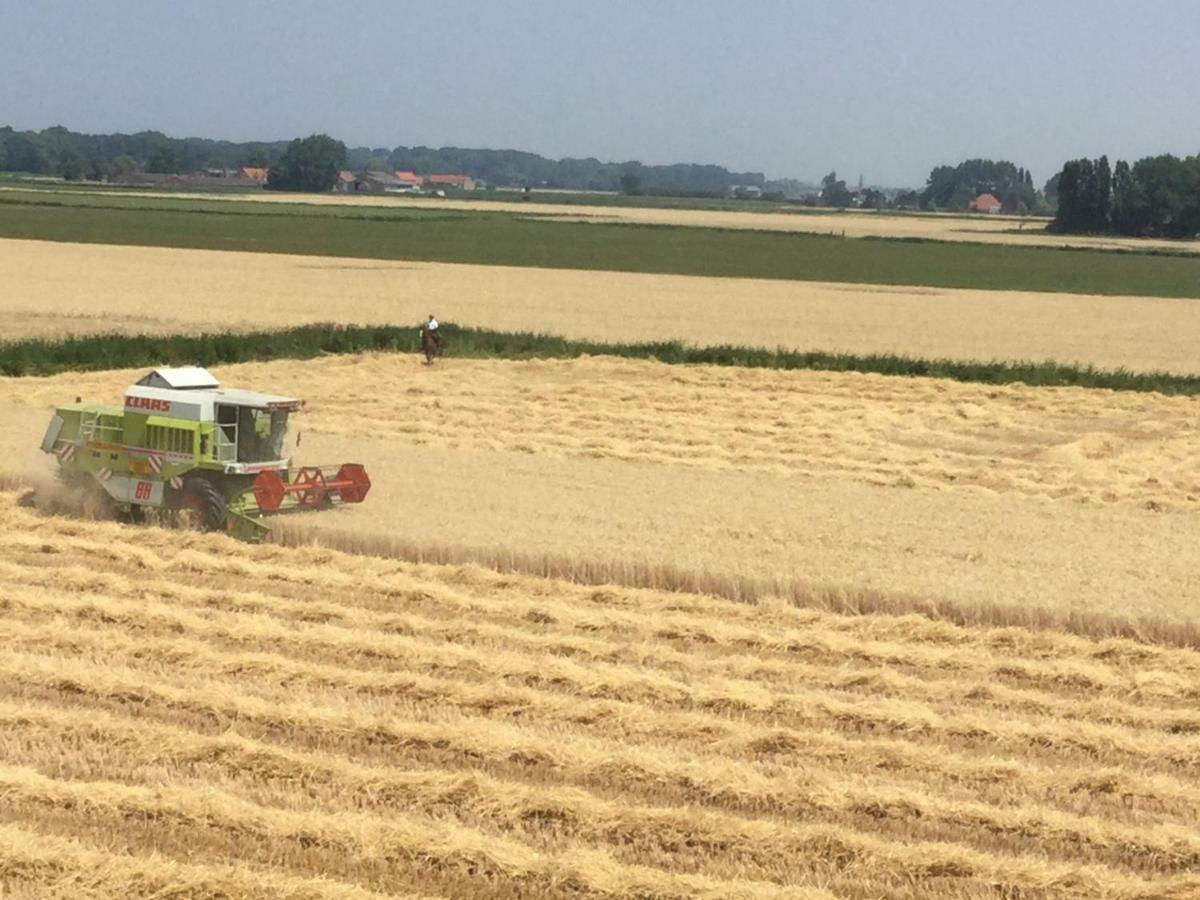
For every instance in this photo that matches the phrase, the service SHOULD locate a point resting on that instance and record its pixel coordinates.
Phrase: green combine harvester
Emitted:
(182, 451)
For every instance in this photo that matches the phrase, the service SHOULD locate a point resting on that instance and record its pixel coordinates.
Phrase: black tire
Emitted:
(207, 504)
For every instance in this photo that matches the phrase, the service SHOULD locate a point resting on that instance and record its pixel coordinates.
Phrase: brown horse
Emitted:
(433, 345)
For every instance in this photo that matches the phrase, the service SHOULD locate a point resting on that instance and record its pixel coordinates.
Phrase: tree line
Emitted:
(954, 187)
(515, 168)
(948, 188)
(1155, 196)
(73, 156)
(1158, 196)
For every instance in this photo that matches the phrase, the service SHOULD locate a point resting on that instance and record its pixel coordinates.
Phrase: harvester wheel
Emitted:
(202, 505)
(98, 505)
(83, 495)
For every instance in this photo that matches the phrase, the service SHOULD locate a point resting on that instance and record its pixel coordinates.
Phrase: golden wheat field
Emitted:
(613, 628)
(55, 289)
(1069, 507)
(186, 716)
(850, 223)
(1080, 445)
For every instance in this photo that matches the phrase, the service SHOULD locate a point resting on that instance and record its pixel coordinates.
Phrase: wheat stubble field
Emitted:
(347, 726)
(1066, 503)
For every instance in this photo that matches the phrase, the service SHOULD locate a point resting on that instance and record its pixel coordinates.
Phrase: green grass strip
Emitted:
(113, 351)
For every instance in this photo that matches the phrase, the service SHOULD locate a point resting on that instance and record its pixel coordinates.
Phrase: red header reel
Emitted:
(312, 487)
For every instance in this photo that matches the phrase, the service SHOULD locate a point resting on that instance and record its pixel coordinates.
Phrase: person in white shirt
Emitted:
(431, 328)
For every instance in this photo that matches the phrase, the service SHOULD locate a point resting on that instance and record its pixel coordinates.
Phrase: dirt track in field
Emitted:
(52, 289)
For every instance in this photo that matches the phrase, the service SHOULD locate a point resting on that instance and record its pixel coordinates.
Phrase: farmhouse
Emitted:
(255, 173)
(985, 203)
(745, 191)
(345, 182)
(382, 183)
(462, 182)
(411, 177)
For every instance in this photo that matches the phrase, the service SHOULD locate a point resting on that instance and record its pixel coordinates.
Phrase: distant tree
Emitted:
(164, 159)
(1166, 195)
(1050, 189)
(4, 132)
(1072, 217)
(873, 199)
(631, 183)
(71, 167)
(939, 188)
(834, 191)
(1084, 196)
(376, 164)
(310, 164)
(1124, 214)
(26, 153)
(98, 169)
(124, 165)
(954, 187)
(259, 158)
(907, 200)
(1101, 199)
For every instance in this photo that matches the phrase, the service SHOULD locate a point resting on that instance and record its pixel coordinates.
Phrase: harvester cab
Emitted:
(183, 449)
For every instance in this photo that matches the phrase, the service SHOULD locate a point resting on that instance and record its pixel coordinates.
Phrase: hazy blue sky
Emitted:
(888, 89)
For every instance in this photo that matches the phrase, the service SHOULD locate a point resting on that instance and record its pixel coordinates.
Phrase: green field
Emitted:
(495, 238)
(510, 195)
(118, 351)
(507, 195)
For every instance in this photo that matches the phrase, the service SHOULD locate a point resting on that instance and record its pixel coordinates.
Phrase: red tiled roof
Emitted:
(985, 202)
(410, 177)
(345, 177)
(459, 180)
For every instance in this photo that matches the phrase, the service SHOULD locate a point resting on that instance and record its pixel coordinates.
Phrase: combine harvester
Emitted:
(185, 452)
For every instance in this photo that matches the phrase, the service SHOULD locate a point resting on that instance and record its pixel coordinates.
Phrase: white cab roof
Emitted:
(183, 378)
(193, 394)
(198, 405)
(251, 398)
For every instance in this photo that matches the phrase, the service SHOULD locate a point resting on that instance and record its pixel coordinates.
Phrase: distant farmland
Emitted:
(494, 238)
(698, 213)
